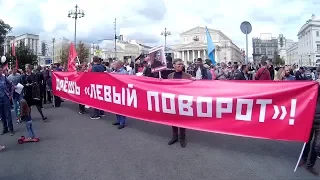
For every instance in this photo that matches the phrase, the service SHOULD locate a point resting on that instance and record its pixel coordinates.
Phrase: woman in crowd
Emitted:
(32, 90)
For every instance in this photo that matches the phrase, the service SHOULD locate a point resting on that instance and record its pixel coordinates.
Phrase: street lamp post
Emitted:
(165, 33)
(75, 14)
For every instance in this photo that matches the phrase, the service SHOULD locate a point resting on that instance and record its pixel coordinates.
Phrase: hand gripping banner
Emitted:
(269, 110)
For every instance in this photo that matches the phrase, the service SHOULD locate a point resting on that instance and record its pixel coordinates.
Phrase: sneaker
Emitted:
(95, 117)
(102, 115)
(2, 148)
(82, 112)
(313, 171)
(11, 133)
(4, 132)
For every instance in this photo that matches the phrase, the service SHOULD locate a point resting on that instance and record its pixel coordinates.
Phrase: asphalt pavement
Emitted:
(74, 147)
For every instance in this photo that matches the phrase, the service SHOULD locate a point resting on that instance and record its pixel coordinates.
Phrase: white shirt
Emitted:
(198, 74)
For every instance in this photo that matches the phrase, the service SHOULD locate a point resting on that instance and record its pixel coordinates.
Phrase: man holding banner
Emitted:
(314, 142)
(178, 74)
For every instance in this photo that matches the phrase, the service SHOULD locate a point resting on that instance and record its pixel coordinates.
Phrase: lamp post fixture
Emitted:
(165, 33)
(75, 14)
(3, 58)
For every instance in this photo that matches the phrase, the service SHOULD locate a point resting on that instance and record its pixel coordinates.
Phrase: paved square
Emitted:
(74, 147)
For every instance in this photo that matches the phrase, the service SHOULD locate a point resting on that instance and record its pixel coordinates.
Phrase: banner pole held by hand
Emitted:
(304, 145)
(160, 75)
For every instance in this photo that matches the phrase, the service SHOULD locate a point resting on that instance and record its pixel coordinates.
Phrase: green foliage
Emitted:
(82, 51)
(279, 61)
(25, 55)
(4, 30)
(64, 54)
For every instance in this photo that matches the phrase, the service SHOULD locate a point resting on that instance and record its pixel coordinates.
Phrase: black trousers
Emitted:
(82, 108)
(313, 145)
(57, 101)
(42, 93)
(175, 133)
(49, 97)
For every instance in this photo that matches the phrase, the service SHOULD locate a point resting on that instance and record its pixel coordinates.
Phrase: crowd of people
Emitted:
(38, 87)
(37, 90)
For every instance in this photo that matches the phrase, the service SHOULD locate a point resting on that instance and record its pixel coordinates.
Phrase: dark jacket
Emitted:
(317, 112)
(166, 72)
(32, 90)
(238, 75)
(300, 76)
(147, 72)
(40, 78)
(204, 72)
(98, 68)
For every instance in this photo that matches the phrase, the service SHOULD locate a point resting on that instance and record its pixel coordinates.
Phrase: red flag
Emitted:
(14, 54)
(71, 58)
(5, 66)
(13, 50)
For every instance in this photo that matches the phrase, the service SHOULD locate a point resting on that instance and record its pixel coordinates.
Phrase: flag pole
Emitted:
(304, 145)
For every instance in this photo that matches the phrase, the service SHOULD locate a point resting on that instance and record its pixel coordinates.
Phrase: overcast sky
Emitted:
(145, 19)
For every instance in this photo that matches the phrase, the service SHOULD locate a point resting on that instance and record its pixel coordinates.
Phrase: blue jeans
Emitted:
(16, 103)
(121, 119)
(5, 114)
(30, 129)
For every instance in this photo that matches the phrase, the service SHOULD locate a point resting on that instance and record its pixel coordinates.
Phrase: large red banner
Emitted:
(270, 110)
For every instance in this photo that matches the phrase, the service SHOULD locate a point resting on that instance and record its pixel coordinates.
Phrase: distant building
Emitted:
(266, 45)
(193, 45)
(58, 47)
(30, 40)
(45, 60)
(293, 55)
(309, 42)
(125, 50)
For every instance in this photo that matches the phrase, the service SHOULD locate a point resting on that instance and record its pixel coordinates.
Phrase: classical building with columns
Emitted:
(193, 45)
(30, 40)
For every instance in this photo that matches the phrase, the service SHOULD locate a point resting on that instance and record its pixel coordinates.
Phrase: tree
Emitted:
(4, 30)
(279, 61)
(83, 52)
(25, 55)
(64, 54)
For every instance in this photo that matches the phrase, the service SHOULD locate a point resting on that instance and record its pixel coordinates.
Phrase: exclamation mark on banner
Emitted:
(293, 111)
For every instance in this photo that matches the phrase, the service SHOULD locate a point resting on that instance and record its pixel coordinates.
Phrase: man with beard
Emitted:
(178, 74)
(286, 76)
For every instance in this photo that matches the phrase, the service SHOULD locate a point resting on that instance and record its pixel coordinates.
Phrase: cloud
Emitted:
(145, 19)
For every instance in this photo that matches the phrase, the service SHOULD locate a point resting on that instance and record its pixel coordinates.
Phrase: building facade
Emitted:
(266, 45)
(30, 40)
(193, 45)
(293, 55)
(58, 48)
(309, 42)
(125, 50)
